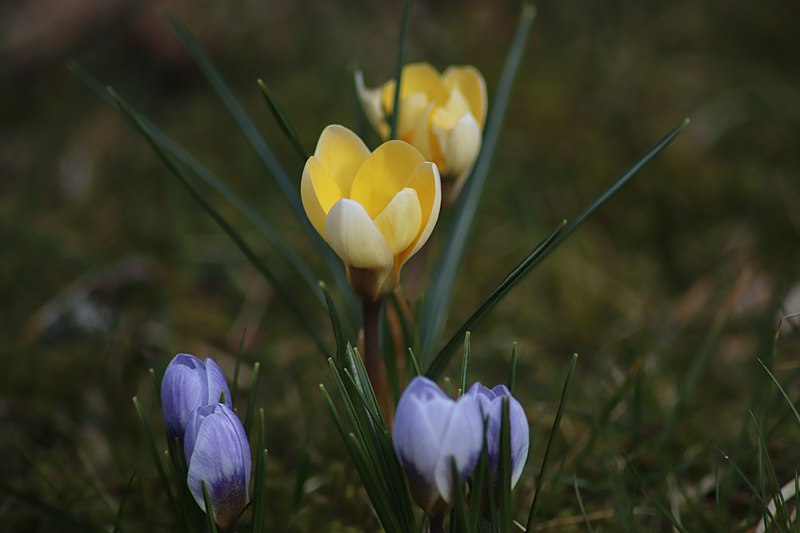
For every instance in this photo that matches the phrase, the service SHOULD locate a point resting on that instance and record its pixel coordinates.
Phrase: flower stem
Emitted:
(437, 524)
(372, 357)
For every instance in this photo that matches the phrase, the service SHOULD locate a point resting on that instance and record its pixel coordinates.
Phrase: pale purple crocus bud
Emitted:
(431, 431)
(190, 383)
(491, 401)
(217, 452)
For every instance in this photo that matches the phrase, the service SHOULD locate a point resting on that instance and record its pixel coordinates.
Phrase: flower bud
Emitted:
(217, 452)
(442, 115)
(491, 402)
(431, 431)
(190, 383)
(374, 209)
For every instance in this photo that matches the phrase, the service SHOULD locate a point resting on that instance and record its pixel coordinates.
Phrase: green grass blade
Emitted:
(462, 388)
(479, 483)
(663, 511)
(414, 364)
(440, 362)
(512, 368)
(556, 422)
(747, 481)
(339, 332)
(237, 111)
(234, 235)
(122, 500)
(459, 521)
(251, 400)
(401, 52)
(260, 481)
(543, 250)
(275, 240)
(235, 384)
(782, 391)
(586, 519)
(283, 122)
(440, 288)
(289, 189)
(504, 481)
(211, 523)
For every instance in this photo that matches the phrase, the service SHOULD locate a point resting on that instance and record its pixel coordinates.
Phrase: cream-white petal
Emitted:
(355, 238)
(371, 104)
(400, 221)
(460, 146)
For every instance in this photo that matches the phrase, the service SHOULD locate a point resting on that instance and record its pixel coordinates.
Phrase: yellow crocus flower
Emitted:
(441, 114)
(375, 209)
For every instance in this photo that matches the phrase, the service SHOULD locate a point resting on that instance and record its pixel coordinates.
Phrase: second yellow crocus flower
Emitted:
(441, 114)
(375, 209)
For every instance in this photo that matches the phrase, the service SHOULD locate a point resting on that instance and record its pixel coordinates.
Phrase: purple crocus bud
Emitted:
(431, 431)
(491, 401)
(190, 383)
(217, 452)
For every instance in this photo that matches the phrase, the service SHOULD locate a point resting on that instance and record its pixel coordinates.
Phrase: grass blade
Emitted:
(237, 111)
(782, 391)
(505, 466)
(512, 369)
(151, 444)
(559, 413)
(401, 52)
(442, 359)
(283, 122)
(251, 400)
(440, 288)
(234, 235)
(462, 388)
(289, 189)
(586, 519)
(543, 250)
(211, 523)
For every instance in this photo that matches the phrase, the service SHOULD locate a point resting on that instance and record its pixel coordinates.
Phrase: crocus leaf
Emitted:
(251, 400)
(553, 431)
(283, 122)
(151, 446)
(462, 388)
(210, 522)
(234, 235)
(289, 189)
(177, 151)
(505, 465)
(401, 52)
(543, 249)
(440, 289)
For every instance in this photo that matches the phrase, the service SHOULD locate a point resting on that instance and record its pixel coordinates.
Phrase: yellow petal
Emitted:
(470, 82)
(354, 237)
(446, 116)
(427, 184)
(315, 208)
(460, 146)
(400, 222)
(417, 78)
(341, 152)
(383, 175)
(371, 103)
(414, 111)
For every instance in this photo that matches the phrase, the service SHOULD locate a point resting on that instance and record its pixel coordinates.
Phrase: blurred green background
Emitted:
(669, 294)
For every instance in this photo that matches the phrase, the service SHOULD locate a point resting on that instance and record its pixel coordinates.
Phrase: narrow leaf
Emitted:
(440, 289)
(288, 188)
(401, 52)
(464, 365)
(543, 250)
(553, 431)
(283, 122)
(211, 523)
(234, 235)
(789, 401)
